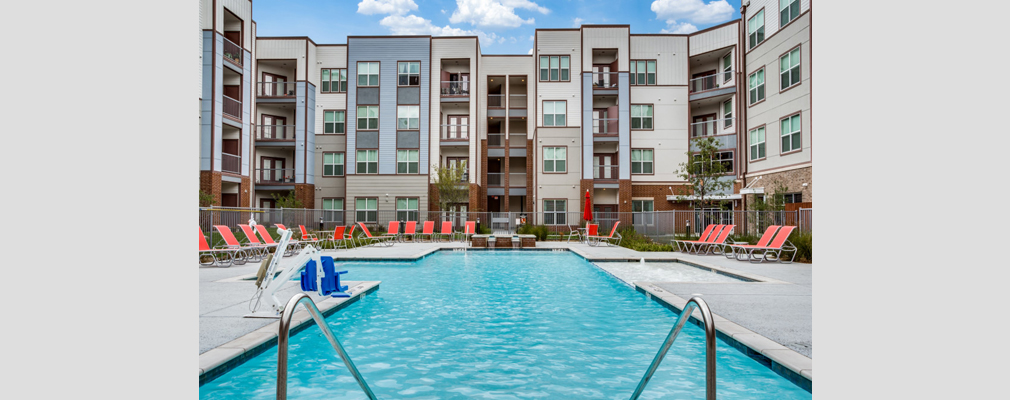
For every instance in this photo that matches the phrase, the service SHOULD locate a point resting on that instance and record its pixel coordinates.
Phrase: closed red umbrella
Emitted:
(588, 213)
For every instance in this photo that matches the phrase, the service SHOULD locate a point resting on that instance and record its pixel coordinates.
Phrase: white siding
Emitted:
(605, 38)
(771, 8)
(290, 49)
(394, 186)
(670, 53)
(669, 139)
(714, 39)
(558, 186)
(328, 187)
(206, 14)
(560, 43)
(313, 77)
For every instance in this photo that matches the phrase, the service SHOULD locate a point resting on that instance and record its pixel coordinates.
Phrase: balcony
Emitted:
(605, 126)
(232, 107)
(275, 176)
(274, 133)
(232, 52)
(517, 101)
(495, 179)
(709, 128)
(496, 140)
(711, 82)
(517, 140)
(231, 163)
(456, 132)
(275, 89)
(455, 89)
(496, 101)
(605, 172)
(605, 80)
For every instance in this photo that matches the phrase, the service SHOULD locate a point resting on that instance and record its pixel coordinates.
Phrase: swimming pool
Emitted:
(501, 325)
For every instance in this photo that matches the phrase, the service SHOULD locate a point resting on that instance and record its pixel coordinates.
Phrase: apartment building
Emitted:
(360, 126)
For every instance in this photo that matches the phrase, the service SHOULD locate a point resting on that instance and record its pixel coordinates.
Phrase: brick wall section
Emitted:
(306, 194)
(432, 197)
(793, 180)
(528, 242)
(475, 199)
(584, 185)
(478, 241)
(245, 192)
(658, 194)
(210, 182)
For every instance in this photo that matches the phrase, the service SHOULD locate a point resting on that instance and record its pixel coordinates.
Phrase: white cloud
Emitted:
(414, 25)
(494, 13)
(532, 38)
(530, 52)
(577, 22)
(694, 11)
(395, 7)
(672, 26)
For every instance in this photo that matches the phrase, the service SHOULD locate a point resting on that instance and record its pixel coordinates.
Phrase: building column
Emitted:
(210, 182)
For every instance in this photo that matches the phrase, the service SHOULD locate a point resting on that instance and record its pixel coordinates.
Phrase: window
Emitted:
(406, 161)
(333, 164)
(790, 198)
(334, 210)
(334, 80)
(333, 122)
(757, 143)
(727, 68)
(641, 116)
(723, 157)
(643, 72)
(554, 212)
(757, 86)
(789, 69)
(366, 209)
(408, 74)
(727, 113)
(555, 158)
(641, 212)
(641, 161)
(407, 117)
(554, 68)
(554, 113)
(756, 29)
(368, 118)
(788, 11)
(406, 209)
(790, 133)
(368, 74)
(368, 162)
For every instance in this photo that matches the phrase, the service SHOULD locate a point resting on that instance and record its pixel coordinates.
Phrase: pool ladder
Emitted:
(706, 315)
(282, 345)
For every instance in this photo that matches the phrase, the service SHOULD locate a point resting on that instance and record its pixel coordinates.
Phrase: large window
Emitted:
(333, 122)
(641, 116)
(554, 212)
(406, 209)
(641, 161)
(790, 128)
(789, 69)
(757, 86)
(642, 212)
(366, 209)
(554, 113)
(756, 29)
(407, 117)
(333, 164)
(368, 118)
(757, 143)
(406, 161)
(727, 113)
(643, 72)
(788, 11)
(727, 68)
(723, 157)
(408, 73)
(334, 210)
(790, 198)
(555, 158)
(368, 74)
(554, 68)
(334, 80)
(368, 162)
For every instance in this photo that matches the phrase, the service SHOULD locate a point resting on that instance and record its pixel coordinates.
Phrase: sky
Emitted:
(503, 26)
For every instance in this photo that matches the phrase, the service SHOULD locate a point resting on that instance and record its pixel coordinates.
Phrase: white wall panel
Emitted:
(669, 138)
(560, 43)
(670, 53)
(605, 38)
(714, 39)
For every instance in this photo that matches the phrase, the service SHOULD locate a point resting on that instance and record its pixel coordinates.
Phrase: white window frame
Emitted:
(409, 211)
(755, 32)
(789, 69)
(369, 206)
(366, 113)
(408, 118)
(553, 216)
(551, 158)
(334, 164)
(550, 108)
(642, 162)
(409, 160)
(368, 70)
(757, 143)
(792, 135)
(756, 90)
(403, 68)
(643, 216)
(368, 161)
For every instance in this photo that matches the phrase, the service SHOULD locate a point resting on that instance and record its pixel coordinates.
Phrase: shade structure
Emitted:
(588, 213)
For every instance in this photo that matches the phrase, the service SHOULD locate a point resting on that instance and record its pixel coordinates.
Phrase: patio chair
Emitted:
(392, 231)
(233, 254)
(382, 239)
(252, 253)
(778, 245)
(337, 237)
(574, 231)
(681, 244)
(595, 240)
(687, 246)
(269, 240)
(429, 230)
(765, 239)
(349, 238)
(250, 237)
(409, 230)
(446, 231)
(306, 236)
(712, 244)
(295, 244)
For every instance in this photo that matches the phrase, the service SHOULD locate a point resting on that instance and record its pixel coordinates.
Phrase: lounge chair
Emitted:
(446, 231)
(591, 230)
(385, 240)
(409, 230)
(429, 230)
(468, 231)
(682, 244)
(690, 246)
(295, 244)
(337, 238)
(716, 243)
(269, 240)
(233, 254)
(250, 237)
(392, 231)
(729, 250)
(778, 245)
(595, 240)
(252, 253)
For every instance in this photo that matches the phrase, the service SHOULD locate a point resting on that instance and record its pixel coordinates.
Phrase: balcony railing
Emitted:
(455, 131)
(709, 82)
(275, 176)
(517, 179)
(495, 140)
(517, 140)
(232, 107)
(517, 101)
(605, 126)
(709, 128)
(268, 133)
(605, 172)
(232, 52)
(231, 163)
(455, 88)
(275, 89)
(496, 101)
(495, 179)
(604, 80)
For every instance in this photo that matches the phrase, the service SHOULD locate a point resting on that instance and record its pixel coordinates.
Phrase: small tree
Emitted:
(288, 201)
(451, 185)
(206, 199)
(704, 173)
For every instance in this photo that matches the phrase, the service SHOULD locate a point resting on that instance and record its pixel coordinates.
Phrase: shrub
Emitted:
(635, 241)
(804, 242)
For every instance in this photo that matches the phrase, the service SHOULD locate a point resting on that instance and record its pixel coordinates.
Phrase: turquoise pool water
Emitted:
(499, 325)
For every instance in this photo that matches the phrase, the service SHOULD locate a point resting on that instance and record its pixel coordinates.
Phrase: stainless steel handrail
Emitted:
(282, 345)
(706, 316)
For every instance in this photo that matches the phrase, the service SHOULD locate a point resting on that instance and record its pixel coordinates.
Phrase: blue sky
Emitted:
(504, 26)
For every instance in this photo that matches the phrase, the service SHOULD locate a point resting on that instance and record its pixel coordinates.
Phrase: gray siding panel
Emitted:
(408, 95)
(407, 140)
(310, 137)
(624, 125)
(206, 117)
(368, 96)
(368, 140)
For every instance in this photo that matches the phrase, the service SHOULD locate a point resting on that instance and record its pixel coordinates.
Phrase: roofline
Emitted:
(716, 26)
(286, 38)
(388, 37)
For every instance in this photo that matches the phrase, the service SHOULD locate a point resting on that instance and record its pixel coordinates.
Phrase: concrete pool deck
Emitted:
(772, 317)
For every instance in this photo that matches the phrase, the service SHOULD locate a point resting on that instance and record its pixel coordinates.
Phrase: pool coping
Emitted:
(221, 359)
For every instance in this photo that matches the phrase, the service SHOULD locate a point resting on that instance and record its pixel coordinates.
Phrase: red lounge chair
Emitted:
(295, 243)
(386, 240)
(595, 240)
(429, 230)
(682, 244)
(765, 239)
(233, 254)
(392, 231)
(337, 238)
(468, 231)
(252, 253)
(691, 246)
(269, 240)
(349, 237)
(592, 230)
(306, 236)
(713, 244)
(409, 230)
(250, 237)
(778, 245)
(446, 231)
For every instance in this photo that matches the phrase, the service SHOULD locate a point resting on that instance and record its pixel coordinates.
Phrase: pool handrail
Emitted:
(282, 345)
(685, 314)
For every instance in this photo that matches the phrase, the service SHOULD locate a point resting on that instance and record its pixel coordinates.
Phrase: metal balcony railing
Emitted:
(495, 179)
(232, 107)
(517, 179)
(496, 101)
(517, 101)
(709, 82)
(709, 128)
(455, 88)
(605, 172)
(517, 140)
(605, 126)
(275, 176)
(275, 89)
(269, 133)
(455, 131)
(232, 52)
(231, 163)
(604, 80)
(495, 139)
